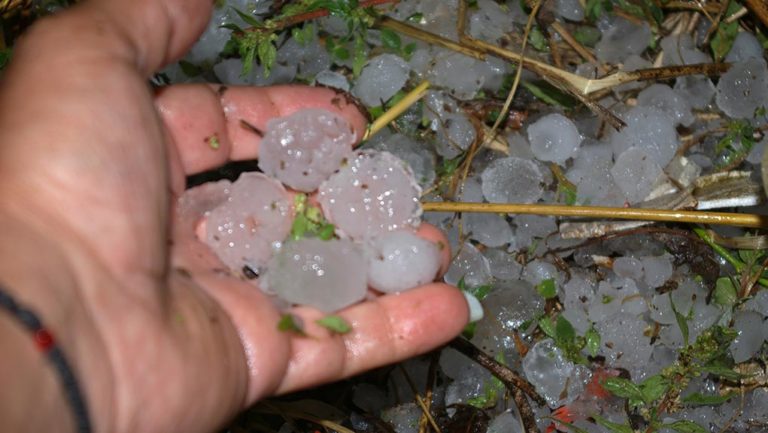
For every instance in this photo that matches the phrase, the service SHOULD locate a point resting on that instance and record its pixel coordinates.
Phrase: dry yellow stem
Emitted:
(700, 217)
(393, 113)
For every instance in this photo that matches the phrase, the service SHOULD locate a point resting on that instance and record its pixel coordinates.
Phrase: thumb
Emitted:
(157, 31)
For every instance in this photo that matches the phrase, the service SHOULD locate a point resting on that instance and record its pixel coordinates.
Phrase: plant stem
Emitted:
(700, 217)
(393, 113)
(722, 252)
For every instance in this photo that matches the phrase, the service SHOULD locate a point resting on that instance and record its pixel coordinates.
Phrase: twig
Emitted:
(521, 389)
(759, 8)
(393, 113)
(510, 379)
(576, 45)
(680, 216)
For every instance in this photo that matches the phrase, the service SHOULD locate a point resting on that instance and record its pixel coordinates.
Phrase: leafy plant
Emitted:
(309, 221)
(655, 395)
(737, 143)
(564, 335)
(726, 33)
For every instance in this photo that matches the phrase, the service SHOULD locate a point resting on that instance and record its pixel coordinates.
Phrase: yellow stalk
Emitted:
(681, 216)
(393, 113)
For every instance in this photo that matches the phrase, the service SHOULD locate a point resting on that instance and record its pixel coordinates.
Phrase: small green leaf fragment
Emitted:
(565, 334)
(537, 39)
(189, 69)
(685, 426)
(213, 142)
(248, 18)
(587, 35)
(547, 327)
(335, 324)
(593, 341)
(390, 39)
(546, 288)
(290, 323)
(326, 231)
(725, 292)
(267, 54)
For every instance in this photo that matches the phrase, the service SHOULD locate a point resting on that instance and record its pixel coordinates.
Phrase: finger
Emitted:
(156, 31)
(389, 329)
(197, 115)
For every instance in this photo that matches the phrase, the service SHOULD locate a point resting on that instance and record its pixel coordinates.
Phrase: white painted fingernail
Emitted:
(475, 308)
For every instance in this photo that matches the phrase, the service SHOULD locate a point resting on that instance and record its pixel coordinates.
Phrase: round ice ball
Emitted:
(375, 192)
(304, 149)
(256, 216)
(650, 129)
(328, 275)
(380, 79)
(743, 89)
(635, 172)
(554, 138)
(512, 180)
(401, 260)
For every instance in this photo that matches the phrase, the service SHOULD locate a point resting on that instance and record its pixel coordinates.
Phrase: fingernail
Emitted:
(475, 308)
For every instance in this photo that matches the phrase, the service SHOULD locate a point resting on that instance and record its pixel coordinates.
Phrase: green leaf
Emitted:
(408, 50)
(492, 389)
(326, 231)
(653, 388)
(248, 54)
(415, 18)
(725, 292)
(537, 39)
(682, 321)
(612, 426)
(593, 341)
(335, 324)
(189, 69)
(248, 18)
(480, 292)
(547, 288)
(564, 332)
(390, 39)
(587, 35)
(267, 54)
(701, 399)
(290, 323)
(623, 388)
(725, 373)
(549, 94)
(232, 26)
(596, 8)
(547, 327)
(685, 426)
(726, 33)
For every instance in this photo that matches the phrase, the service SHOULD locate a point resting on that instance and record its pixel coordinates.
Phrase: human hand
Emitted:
(91, 163)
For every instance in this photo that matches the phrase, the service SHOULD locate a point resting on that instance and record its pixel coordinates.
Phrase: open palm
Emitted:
(92, 161)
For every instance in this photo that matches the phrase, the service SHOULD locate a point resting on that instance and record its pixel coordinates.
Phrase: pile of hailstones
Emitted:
(371, 198)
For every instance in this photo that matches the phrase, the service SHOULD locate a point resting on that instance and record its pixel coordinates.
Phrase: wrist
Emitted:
(39, 277)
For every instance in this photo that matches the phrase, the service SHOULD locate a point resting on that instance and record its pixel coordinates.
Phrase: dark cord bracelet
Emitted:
(45, 342)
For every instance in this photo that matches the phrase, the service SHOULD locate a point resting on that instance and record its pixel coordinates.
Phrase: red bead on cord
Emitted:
(44, 340)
